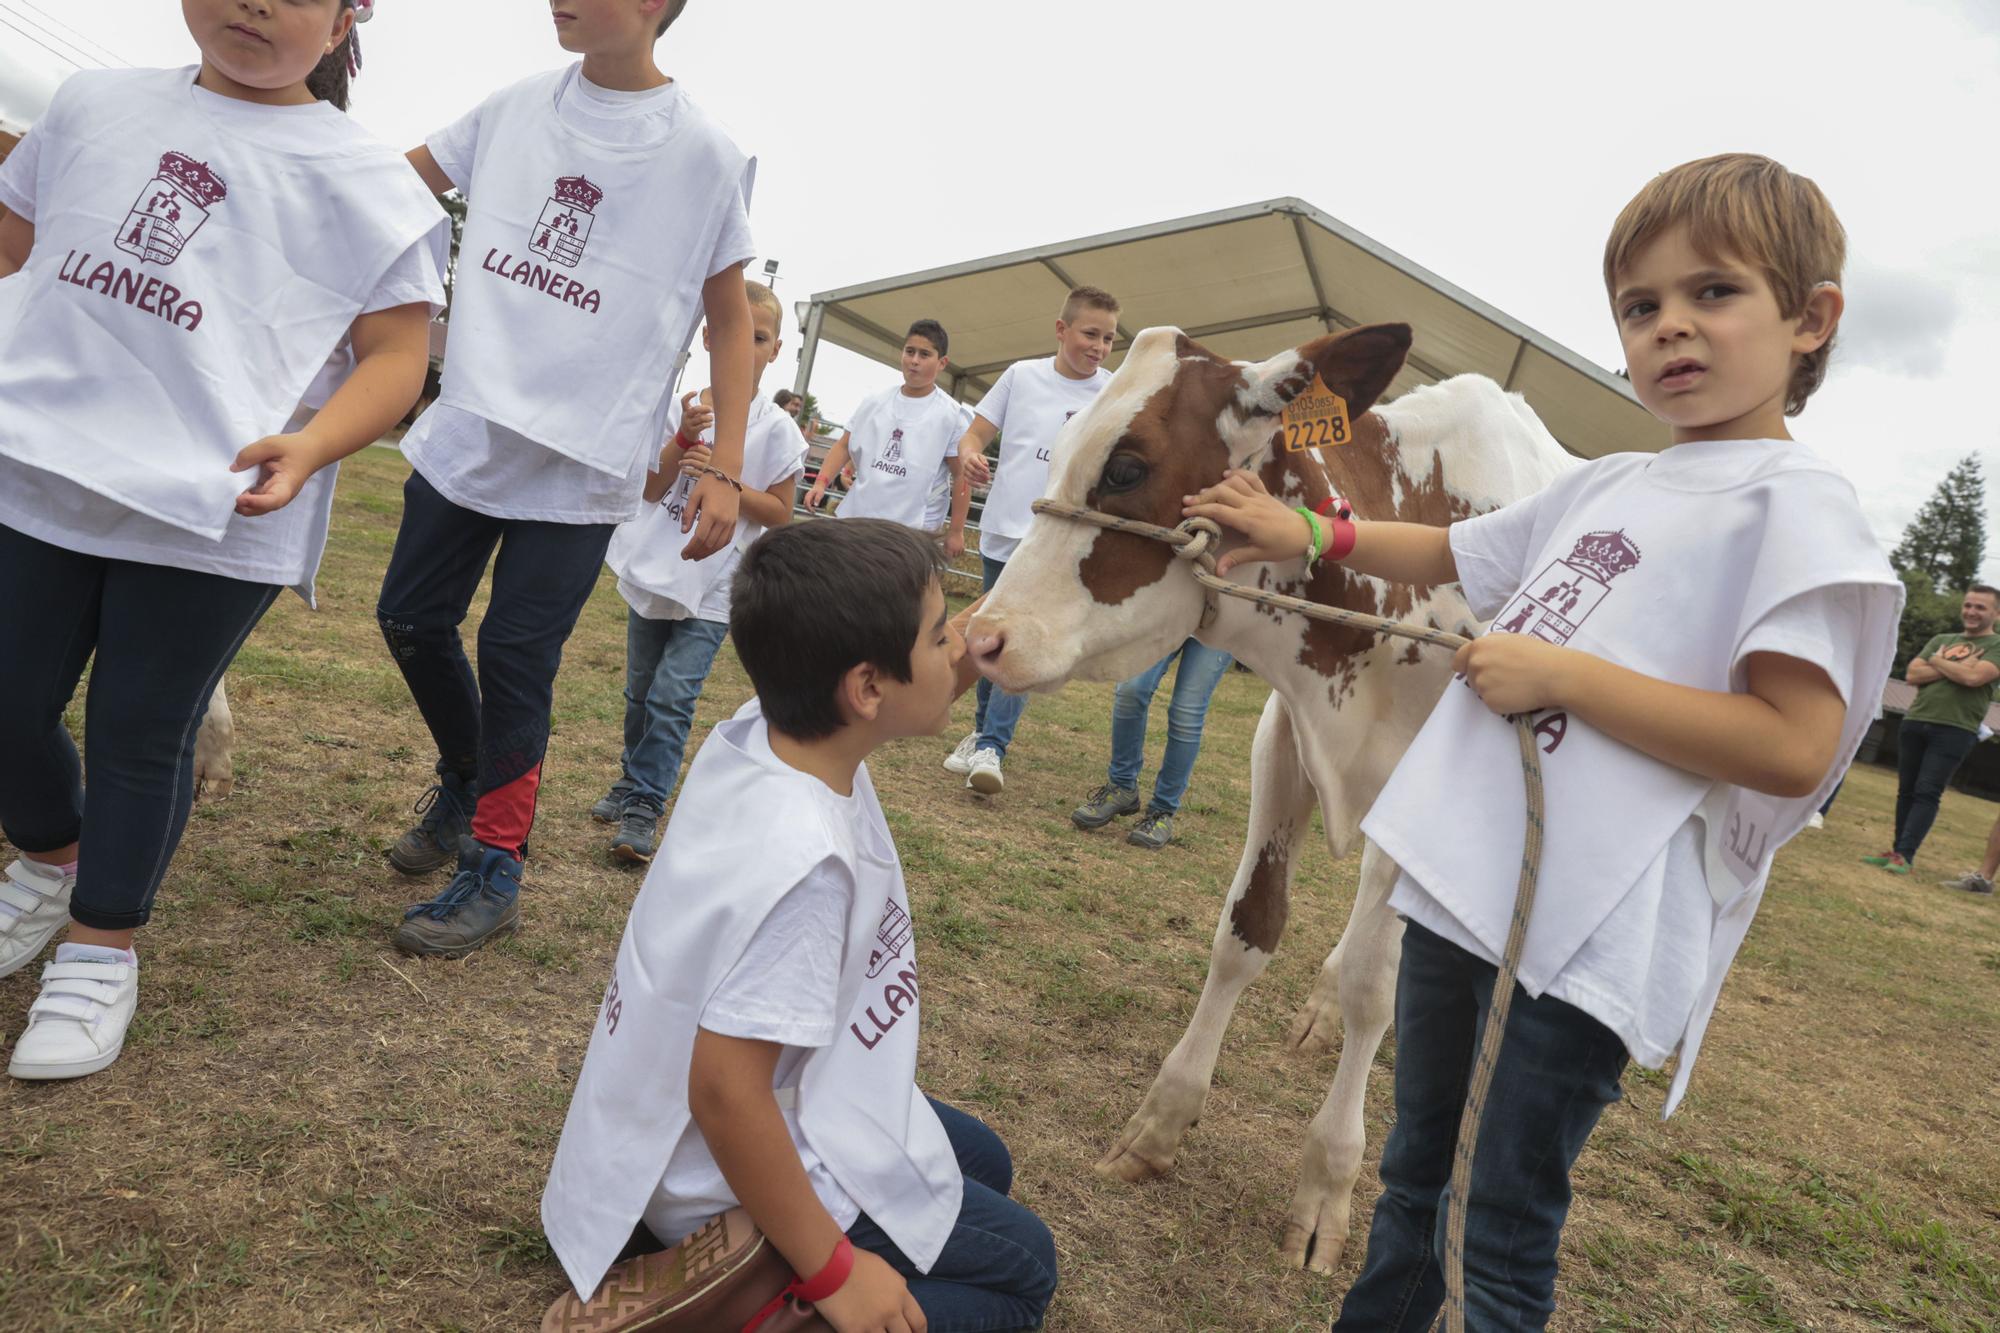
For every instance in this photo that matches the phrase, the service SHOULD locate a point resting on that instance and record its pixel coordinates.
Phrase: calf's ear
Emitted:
(1357, 364)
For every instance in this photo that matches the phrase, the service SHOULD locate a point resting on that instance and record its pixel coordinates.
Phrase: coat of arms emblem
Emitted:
(1555, 605)
(170, 210)
(894, 453)
(894, 933)
(564, 228)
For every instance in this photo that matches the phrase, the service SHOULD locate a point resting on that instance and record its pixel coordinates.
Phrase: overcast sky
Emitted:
(1493, 144)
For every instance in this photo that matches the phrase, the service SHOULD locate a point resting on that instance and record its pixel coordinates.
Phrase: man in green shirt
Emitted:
(1954, 676)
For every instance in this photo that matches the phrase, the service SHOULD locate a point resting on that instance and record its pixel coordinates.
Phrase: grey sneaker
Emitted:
(1970, 882)
(638, 833)
(482, 902)
(1154, 831)
(1104, 805)
(447, 817)
(611, 805)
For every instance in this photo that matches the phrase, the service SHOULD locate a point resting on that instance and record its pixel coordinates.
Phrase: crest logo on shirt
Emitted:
(891, 939)
(1557, 601)
(564, 227)
(170, 210)
(894, 453)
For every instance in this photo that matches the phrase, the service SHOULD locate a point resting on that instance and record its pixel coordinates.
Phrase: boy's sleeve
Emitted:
(413, 278)
(994, 405)
(733, 245)
(456, 147)
(1492, 553)
(1821, 627)
(786, 986)
(772, 457)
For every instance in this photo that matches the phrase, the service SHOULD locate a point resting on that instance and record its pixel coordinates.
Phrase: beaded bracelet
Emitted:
(718, 472)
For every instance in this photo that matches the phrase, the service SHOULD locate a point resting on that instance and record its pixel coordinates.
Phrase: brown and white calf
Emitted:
(1079, 601)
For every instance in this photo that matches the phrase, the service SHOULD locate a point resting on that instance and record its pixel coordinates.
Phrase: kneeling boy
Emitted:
(758, 1041)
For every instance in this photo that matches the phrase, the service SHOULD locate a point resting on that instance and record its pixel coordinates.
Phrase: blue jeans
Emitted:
(666, 664)
(1927, 754)
(998, 1269)
(1558, 1070)
(998, 712)
(1201, 671)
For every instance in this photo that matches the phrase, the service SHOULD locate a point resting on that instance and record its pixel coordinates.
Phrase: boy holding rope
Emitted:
(1699, 635)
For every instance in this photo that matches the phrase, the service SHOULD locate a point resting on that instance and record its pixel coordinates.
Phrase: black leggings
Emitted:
(162, 638)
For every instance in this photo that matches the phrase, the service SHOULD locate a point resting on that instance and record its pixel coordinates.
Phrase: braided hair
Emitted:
(330, 78)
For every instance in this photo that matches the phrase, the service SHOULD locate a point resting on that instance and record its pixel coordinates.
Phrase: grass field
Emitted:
(308, 1130)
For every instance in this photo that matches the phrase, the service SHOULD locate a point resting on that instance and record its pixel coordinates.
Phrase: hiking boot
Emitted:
(959, 761)
(638, 833)
(34, 905)
(1970, 882)
(1154, 831)
(611, 805)
(482, 902)
(447, 817)
(984, 776)
(1104, 805)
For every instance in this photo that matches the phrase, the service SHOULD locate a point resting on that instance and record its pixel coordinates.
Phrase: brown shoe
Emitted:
(720, 1277)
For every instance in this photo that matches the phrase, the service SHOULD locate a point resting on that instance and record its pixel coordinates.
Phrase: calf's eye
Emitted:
(1122, 473)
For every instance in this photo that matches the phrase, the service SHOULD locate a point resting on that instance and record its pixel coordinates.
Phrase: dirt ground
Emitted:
(308, 1130)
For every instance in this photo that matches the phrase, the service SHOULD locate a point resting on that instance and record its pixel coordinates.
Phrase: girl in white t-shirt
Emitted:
(190, 261)
(679, 609)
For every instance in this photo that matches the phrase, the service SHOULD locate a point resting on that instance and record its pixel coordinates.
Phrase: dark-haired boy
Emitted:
(899, 441)
(607, 211)
(757, 1044)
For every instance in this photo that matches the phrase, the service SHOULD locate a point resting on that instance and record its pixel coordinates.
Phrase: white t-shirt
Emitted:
(645, 551)
(784, 989)
(899, 445)
(1641, 971)
(493, 470)
(1029, 404)
(1677, 565)
(282, 548)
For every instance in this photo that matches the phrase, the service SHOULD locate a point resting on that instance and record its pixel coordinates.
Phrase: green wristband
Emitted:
(1317, 543)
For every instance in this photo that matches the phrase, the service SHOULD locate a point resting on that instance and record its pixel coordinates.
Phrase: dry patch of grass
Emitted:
(309, 1131)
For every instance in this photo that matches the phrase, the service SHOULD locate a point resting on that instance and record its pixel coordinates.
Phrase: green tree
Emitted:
(1947, 539)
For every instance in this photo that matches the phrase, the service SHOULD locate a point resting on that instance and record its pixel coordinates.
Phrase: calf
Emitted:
(1080, 601)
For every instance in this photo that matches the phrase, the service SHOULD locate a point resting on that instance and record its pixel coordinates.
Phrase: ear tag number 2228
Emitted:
(1316, 419)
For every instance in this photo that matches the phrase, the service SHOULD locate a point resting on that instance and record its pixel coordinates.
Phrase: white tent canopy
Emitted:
(1244, 282)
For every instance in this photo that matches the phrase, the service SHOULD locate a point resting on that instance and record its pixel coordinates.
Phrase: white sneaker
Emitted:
(959, 761)
(984, 775)
(76, 1026)
(1818, 820)
(38, 897)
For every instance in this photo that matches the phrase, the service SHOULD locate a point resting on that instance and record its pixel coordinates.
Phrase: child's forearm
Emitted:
(1400, 552)
(740, 1122)
(768, 508)
(830, 466)
(392, 350)
(961, 497)
(661, 479)
(729, 362)
(1780, 739)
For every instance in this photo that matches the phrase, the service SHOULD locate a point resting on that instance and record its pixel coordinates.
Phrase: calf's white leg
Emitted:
(1246, 936)
(214, 773)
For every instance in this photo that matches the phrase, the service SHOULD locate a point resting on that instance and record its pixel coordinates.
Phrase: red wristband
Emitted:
(684, 442)
(1342, 544)
(830, 1278)
(818, 1287)
(1334, 506)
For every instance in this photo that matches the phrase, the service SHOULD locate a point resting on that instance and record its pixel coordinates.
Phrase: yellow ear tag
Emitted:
(1316, 419)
